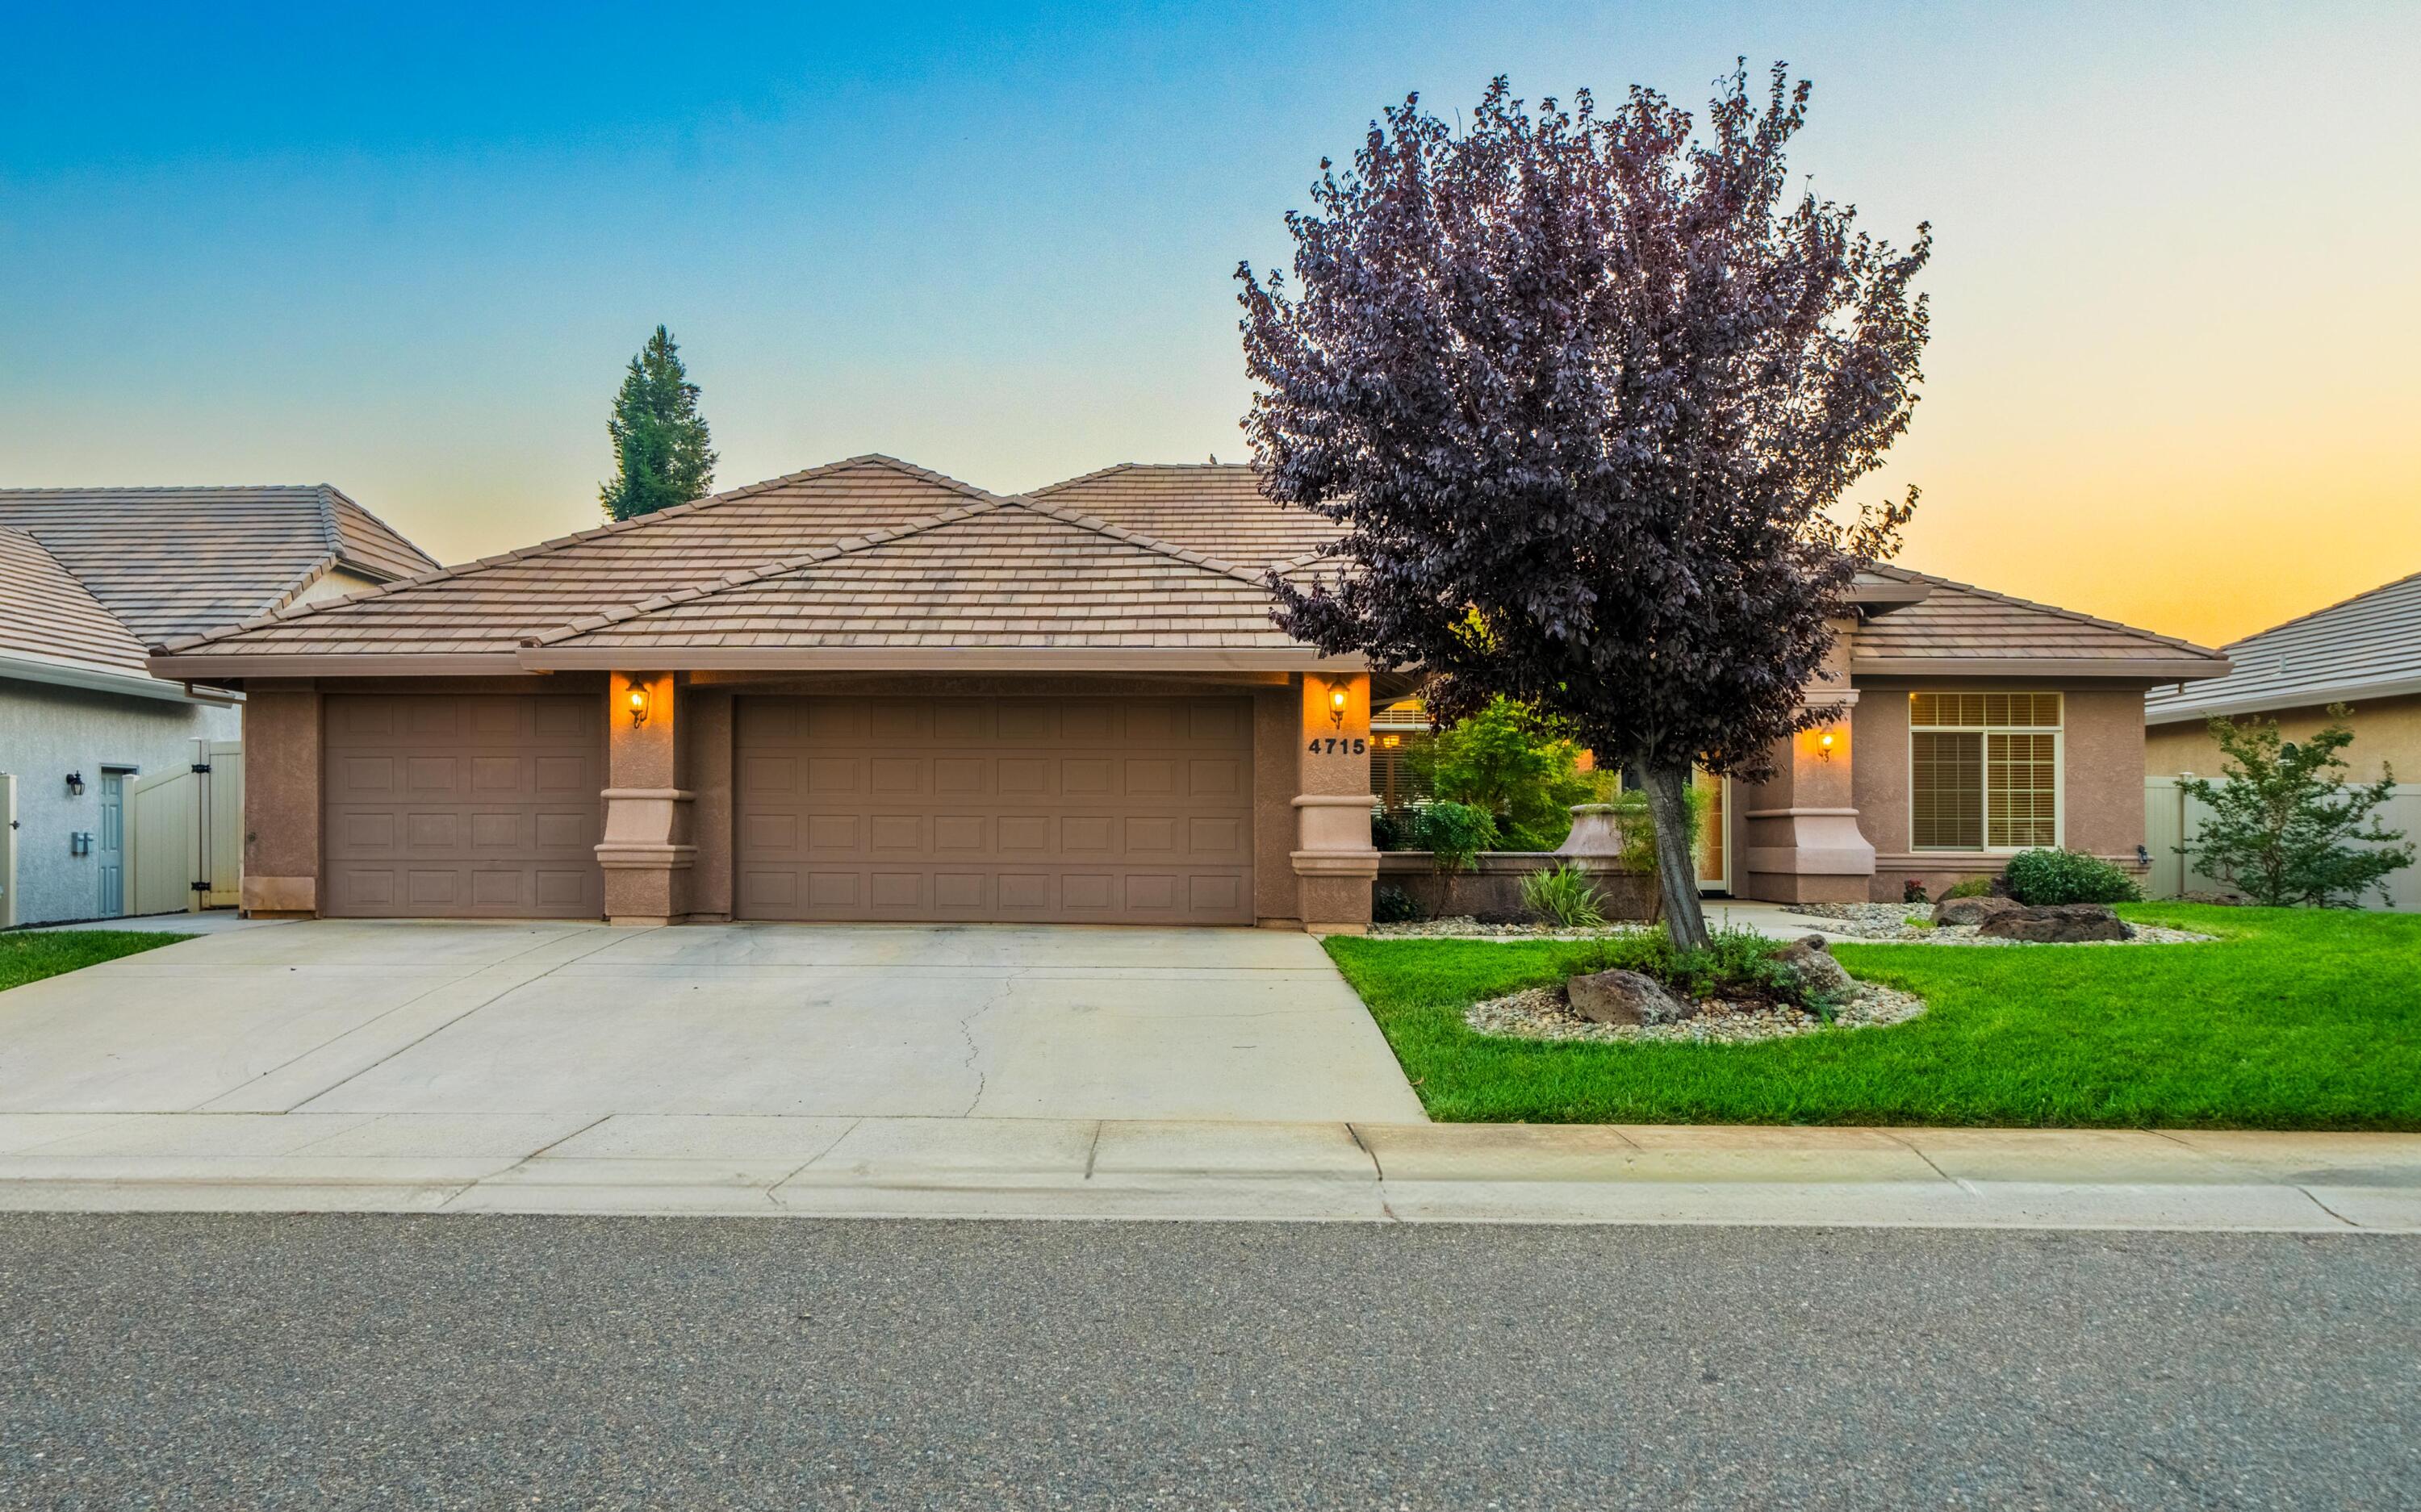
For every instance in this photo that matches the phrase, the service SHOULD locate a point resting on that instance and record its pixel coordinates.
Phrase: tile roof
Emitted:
(1215, 506)
(172, 561)
(1010, 575)
(490, 606)
(873, 552)
(1957, 626)
(47, 615)
(2366, 646)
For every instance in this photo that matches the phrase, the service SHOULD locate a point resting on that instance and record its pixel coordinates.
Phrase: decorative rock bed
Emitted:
(1889, 921)
(1463, 926)
(1541, 1013)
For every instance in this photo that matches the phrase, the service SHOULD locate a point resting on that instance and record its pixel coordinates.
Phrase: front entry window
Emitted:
(1984, 771)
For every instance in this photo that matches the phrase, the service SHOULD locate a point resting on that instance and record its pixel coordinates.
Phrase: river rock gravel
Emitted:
(1541, 1013)
(1890, 921)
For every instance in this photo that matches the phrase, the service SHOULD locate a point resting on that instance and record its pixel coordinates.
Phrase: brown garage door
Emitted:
(1040, 810)
(463, 806)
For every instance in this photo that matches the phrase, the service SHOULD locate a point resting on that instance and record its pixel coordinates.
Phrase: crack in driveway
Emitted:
(966, 1031)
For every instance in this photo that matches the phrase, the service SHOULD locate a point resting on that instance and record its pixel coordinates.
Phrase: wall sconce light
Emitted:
(1825, 745)
(638, 705)
(1337, 698)
(75, 785)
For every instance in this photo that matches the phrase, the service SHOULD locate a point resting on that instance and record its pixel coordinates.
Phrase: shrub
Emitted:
(1737, 964)
(1394, 828)
(1454, 833)
(1514, 763)
(1912, 891)
(2038, 878)
(1565, 894)
(1390, 904)
(2285, 826)
(1969, 887)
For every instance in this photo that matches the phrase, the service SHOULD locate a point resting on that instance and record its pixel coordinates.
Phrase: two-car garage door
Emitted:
(1022, 809)
(463, 806)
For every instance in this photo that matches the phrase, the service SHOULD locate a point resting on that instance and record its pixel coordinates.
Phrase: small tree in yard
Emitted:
(2285, 825)
(1581, 391)
(1513, 762)
(663, 455)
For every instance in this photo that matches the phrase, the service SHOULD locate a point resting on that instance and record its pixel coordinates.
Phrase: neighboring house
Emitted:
(867, 692)
(2364, 652)
(88, 578)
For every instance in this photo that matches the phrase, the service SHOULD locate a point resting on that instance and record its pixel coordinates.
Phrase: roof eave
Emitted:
(24, 667)
(932, 659)
(2210, 701)
(205, 666)
(2131, 668)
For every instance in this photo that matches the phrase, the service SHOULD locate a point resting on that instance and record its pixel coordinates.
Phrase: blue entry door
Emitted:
(110, 846)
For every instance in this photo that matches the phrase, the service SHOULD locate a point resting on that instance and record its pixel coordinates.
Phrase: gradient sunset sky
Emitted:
(2176, 287)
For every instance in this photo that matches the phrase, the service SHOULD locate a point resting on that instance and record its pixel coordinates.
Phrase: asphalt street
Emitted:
(336, 1361)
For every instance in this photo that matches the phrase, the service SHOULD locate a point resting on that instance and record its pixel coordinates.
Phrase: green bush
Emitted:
(1454, 834)
(2284, 824)
(1390, 904)
(1566, 896)
(2040, 878)
(1514, 763)
(1394, 828)
(1737, 964)
(1971, 887)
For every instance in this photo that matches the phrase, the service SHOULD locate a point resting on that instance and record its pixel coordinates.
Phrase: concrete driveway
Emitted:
(577, 1019)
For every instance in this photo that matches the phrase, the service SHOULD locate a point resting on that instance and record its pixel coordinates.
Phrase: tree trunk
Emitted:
(1676, 867)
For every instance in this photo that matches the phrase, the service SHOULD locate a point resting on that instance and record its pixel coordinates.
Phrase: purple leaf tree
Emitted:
(1583, 391)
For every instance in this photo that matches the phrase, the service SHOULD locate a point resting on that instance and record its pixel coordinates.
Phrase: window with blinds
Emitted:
(1983, 770)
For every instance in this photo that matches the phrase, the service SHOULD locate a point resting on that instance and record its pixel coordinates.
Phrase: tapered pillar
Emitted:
(646, 854)
(1334, 862)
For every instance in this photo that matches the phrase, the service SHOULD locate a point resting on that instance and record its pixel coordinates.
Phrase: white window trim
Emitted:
(2058, 734)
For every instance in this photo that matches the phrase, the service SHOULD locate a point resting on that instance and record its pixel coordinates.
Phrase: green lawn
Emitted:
(29, 957)
(2294, 1020)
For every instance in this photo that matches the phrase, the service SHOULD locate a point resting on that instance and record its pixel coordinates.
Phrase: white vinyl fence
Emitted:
(2171, 819)
(184, 835)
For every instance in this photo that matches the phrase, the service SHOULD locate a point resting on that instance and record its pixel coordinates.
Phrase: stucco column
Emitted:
(646, 853)
(281, 800)
(1334, 862)
(1802, 842)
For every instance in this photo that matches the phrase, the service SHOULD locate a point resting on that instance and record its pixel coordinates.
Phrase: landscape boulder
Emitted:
(2058, 923)
(1975, 910)
(1626, 997)
(1814, 965)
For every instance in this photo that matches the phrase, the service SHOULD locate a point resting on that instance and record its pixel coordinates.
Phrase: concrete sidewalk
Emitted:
(639, 1163)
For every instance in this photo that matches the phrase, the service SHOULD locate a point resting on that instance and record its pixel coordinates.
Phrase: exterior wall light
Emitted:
(75, 785)
(638, 705)
(1337, 698)
(1825, 745)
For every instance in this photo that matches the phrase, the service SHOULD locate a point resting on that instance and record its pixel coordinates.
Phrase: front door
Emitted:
(1714, 853)
(109, 848)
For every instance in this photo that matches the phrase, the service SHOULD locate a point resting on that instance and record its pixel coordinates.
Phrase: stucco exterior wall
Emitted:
(2386, 737)
(46, 732)
(2101, 787)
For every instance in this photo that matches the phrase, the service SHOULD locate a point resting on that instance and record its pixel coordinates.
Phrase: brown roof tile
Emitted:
(173, 561)
(47, 615)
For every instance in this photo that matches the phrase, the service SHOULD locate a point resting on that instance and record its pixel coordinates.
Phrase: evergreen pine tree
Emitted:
(661, 451)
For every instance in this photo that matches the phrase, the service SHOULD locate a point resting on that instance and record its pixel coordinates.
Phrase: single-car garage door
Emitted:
(463, 806)
(1040, 810)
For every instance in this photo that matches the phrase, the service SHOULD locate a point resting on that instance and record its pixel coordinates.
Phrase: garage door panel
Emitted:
(463, 806)
(1020, 809)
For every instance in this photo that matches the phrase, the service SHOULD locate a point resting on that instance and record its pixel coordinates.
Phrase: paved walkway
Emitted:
(582, 1021)
(1081, 1168)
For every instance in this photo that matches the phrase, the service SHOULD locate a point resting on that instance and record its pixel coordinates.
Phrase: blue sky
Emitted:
(408, 253)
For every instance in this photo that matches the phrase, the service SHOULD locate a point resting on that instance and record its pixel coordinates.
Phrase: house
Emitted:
(88, 578)
(2365, 651)
(866, 691)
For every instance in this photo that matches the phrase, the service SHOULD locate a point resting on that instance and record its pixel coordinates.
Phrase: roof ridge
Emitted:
(1072, 482)
(780, 567)
(71, 490)
(2076, 614)
(67, 576)
(337, 495)
(2329, 608)
(1069, 515)
(612, 527)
